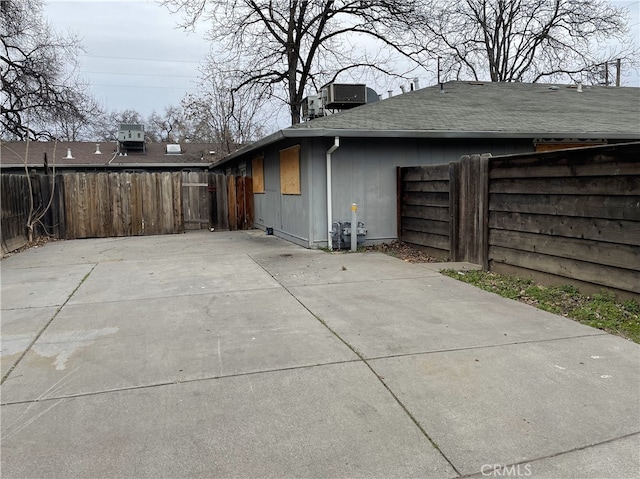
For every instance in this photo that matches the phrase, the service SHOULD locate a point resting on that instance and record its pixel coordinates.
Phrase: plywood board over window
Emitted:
(257, 173)
(290, 171)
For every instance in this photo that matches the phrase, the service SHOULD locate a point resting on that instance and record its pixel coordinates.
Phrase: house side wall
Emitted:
(288, 215)
(364, 172)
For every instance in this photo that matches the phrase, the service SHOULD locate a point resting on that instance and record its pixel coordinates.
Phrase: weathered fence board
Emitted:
(196, 199)
(421, 225)
(565, 216)
(236, 194)
(222, 201)
(611, 254)
(99, 205)
(572, 216)
(536, 167)
(596, 273)
(595, 206)
(429, 240)
(15, 211)
(241, 203)
(424, 211)
(471, 227)
(624, 185)
(420, 174)
(426, 186)
(248, 195)
(426, 199)
(232, 202)
(597, 229)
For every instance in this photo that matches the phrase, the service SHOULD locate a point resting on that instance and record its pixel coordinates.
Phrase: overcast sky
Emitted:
(137, 59)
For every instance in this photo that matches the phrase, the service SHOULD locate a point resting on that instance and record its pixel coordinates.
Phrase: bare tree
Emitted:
(527, 40)
(171, 126)
(37, 69)
(37, 210)
(221, 115)
(279, 48)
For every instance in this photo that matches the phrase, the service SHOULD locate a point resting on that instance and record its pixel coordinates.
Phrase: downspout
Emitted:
(336, 145)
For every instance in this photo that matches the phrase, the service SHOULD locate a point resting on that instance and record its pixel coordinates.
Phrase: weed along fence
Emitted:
(101, 204)
(569, 216)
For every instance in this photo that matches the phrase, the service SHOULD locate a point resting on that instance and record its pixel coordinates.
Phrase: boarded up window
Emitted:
(290, 171)
(257, 173)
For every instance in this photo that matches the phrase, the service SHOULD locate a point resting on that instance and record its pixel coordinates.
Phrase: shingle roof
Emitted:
(482, 110)
(520, 108)
(13, 152)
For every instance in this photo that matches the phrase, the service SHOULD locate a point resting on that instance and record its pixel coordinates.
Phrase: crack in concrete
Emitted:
(366, 363)
(488, 346)
(489, 472)
(43, 329)
(173, 382)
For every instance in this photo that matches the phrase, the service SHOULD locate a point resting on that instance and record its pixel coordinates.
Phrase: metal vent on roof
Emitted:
(173, 149)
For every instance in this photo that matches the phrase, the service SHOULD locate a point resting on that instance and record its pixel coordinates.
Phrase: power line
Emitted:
(144, 86)
(141, 59)
(140, 74)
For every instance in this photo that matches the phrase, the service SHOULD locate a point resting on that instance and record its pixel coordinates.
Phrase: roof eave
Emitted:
(438, 134)
(267, 140)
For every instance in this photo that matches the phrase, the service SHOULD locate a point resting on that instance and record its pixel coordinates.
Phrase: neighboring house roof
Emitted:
(84, 154)
(483, 110)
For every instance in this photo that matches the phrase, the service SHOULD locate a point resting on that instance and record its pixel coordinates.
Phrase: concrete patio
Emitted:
(236, 354)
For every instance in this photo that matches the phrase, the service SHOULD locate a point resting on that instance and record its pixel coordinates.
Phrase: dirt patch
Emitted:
(403, 251)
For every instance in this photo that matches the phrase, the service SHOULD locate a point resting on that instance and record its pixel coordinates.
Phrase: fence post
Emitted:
(248, 191)
(483, 212)
(454, 199)
(232, 203)
(399, 202)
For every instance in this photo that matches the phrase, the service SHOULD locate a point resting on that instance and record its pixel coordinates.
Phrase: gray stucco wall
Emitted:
(364, 172)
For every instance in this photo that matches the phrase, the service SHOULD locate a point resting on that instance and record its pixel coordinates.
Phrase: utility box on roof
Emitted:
(342, 96)
(130, 132)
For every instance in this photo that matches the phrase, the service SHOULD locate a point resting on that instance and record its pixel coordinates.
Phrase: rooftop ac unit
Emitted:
(128, 132)
(312, 107)
(343, 96)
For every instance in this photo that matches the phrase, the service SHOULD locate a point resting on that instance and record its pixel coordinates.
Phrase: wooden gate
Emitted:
(195, 200)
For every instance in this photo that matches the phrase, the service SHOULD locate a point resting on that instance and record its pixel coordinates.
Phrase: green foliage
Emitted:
(600, 310)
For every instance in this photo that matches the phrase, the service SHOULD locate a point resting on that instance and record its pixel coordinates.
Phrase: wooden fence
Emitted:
(16, 208)
(195, 200)
(425, 207)
(442, 208)
(570, 216)
(100, 204)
